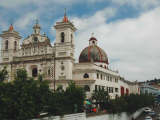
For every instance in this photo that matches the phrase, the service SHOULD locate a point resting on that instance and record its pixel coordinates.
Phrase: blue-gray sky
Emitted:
(128, 30)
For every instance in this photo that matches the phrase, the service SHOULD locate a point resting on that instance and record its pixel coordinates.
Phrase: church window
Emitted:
(34, 72)
(6, 45)
(93, 42)
(95, 87)
(15, 45)
(97, 76)
(111, 79)
(101, 66)
(105, 66)
(62, 37)
(101, 77)
(102, 87)
(86, 88)
(49, 72)
(107, 89)
(35, 31)
(17, 71)
(71, 38)
(86, 75)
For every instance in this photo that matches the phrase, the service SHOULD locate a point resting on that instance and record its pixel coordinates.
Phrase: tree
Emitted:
(100, 95)
(118, 105)
(57, 102)
(62, 102)
(24, 97)
(74, 95)
(3, 74)
(4, 100)
(130, 103)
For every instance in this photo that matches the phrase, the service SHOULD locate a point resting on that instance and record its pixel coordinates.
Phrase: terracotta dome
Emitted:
(93, 52)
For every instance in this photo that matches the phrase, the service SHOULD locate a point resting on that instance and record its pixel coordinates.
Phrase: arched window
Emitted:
(49, 72)
(34, 72)
(62, 37)
(101, 66)
(15, 45)
(105, 66)
(6, 45)
(71, 38)
(35, 31)
(93, 42)
(35, 39)
(86, 88)
(86, 75)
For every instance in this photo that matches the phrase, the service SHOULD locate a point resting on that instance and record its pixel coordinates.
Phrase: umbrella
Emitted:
(86, 102)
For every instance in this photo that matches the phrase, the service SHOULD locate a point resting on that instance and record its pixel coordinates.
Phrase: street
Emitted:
(143, 115)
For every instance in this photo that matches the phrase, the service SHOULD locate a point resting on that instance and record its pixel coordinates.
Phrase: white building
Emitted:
(37, 55)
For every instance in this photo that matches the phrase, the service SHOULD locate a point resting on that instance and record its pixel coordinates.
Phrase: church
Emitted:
(37, 55)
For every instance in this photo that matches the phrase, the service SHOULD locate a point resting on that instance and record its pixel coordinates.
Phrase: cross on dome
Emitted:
(92, 34)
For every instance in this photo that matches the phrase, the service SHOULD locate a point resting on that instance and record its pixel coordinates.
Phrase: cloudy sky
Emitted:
(128, 30)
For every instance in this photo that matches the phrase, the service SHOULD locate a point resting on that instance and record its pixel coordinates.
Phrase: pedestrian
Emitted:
(91, 110)
(94, 110)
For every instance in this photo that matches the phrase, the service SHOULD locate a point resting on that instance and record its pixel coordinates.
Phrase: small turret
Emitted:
(36, 28)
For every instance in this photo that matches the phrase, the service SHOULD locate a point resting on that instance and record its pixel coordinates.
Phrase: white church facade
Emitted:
(37, 55)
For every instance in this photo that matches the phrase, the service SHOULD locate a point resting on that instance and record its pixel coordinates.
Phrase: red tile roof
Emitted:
(11, 27)
(65, 19)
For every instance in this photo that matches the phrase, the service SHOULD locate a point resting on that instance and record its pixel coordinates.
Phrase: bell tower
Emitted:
(9, 44)
(64, 49)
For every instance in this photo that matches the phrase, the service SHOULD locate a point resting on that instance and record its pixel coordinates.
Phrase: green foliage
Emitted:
(3, 74)
(75, 94)
(130, 103)
(62, 101)
(25, 97)
(118, 105)
(40, 77)
(100, 95)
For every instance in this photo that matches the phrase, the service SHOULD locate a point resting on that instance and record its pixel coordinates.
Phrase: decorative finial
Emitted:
(11, 20)
(65, 10)
(44, 33)
(92, 34)
(37, 21)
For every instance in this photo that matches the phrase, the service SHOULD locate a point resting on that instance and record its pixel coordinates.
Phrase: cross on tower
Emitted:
(11, 19)
(37, 20)
(92, 34)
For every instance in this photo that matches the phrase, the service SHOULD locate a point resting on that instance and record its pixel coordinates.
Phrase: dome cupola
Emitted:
(93, 52)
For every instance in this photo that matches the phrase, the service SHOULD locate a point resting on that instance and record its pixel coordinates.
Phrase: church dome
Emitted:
(93, 52)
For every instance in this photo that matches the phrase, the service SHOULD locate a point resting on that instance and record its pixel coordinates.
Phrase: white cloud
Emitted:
(144, 4)
(133, 43)
(27, 19)
(17, 3)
